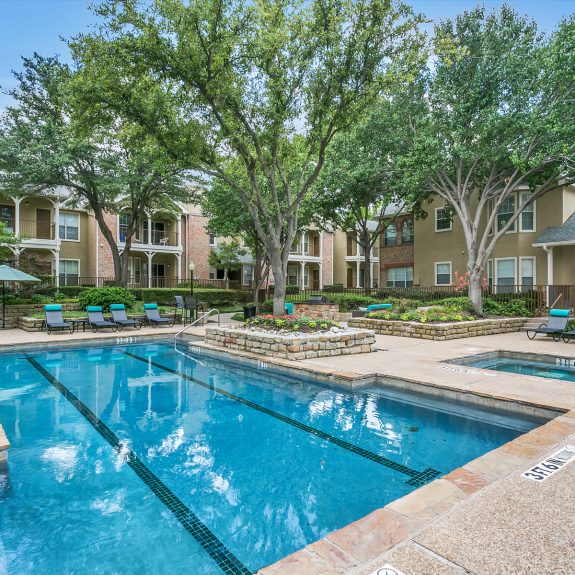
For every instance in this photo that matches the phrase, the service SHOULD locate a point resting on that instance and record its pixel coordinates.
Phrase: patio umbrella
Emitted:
(8, 274)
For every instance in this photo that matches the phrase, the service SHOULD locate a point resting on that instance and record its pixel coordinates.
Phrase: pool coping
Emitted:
(364, 541)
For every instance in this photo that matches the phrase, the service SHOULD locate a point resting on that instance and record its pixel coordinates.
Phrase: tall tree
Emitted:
(268, 83)
(226, 257)
(47, 140)
(228, 218)
(7, 241)
(495, 115)
(363, 188)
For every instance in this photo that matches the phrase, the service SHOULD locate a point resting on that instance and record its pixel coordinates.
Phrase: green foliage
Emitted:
(434, 315)
(335, 288)
(105, 296)
(226, 256)
(213, 297)
(290, 323)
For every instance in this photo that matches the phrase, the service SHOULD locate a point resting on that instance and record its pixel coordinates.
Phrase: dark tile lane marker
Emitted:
(417, 478)
(225, 559)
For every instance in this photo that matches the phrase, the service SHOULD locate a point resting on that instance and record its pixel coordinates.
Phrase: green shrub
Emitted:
(213, 297)
(335, 288)
(463, 303)
(106, 296)
(436, 315)
(290, 289)
(515, 308)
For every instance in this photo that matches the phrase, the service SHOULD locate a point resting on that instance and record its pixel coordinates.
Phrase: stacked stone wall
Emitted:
(439, 331)
(305, 346)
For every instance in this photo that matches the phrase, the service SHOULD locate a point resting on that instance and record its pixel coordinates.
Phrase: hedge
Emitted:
(213, 297)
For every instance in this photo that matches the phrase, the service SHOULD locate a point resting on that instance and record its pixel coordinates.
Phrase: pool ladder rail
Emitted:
(204, 316)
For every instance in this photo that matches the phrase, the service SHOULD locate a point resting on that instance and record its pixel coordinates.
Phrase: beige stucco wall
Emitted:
(432, 246)
(84, 249)
(339, 253)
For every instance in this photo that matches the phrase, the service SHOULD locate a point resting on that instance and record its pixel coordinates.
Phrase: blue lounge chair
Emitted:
(289, 308)
(120, 318)
(555, 326)
(96, 319)
(153, 316)
(55, 319)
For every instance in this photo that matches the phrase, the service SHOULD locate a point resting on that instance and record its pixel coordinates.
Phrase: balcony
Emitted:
(158, 240)
(32, 231)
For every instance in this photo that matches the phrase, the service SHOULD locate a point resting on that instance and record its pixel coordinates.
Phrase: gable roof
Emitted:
(563, 234)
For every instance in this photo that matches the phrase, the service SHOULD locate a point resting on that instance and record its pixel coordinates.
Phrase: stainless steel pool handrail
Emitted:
(204, 316)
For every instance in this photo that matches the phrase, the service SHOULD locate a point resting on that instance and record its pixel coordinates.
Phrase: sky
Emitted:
(28, 26)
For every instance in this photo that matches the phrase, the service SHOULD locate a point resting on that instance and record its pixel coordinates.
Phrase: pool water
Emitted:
(525, 364)
(141, 460)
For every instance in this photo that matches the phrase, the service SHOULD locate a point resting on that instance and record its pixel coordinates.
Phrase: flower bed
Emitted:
(290, 323)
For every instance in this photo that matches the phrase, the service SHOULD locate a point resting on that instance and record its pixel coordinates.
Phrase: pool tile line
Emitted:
(417, 478)
(215, 548)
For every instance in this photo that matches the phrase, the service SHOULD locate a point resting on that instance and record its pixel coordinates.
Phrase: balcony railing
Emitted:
(158, 237)
(32, 229)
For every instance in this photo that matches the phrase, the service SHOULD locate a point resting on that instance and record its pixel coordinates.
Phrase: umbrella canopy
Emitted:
(8, 274)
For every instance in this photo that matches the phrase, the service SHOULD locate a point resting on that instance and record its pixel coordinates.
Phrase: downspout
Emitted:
(549, 251)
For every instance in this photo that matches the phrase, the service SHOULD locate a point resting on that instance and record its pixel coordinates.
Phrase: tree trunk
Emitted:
(226, 279)
(475, 293)
(367, 262)
(279, 285)
(124, 258)
(257, 274)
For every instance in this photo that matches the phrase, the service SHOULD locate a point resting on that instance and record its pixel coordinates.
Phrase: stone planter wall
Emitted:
(15, 312)
(306, 346)
(317, 310)
(439, 331)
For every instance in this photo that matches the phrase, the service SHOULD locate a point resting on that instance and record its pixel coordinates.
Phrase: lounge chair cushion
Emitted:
(117, 306)
(376, 306)
(289, 308)
(559, 312)
(150, 306)
(94, 308)
(53, 307)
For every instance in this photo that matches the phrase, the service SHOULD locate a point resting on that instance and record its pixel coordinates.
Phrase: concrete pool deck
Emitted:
(483, 518)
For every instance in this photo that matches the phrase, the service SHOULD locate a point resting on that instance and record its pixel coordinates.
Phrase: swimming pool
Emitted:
(531, 364)
(141, 459)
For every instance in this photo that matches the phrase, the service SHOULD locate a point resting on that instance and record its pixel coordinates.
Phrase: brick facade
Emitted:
(398, 256)
(198, 246)
(105, 261)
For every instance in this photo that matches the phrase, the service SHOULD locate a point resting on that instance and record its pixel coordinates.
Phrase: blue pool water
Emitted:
(141, 460)
(546, 366)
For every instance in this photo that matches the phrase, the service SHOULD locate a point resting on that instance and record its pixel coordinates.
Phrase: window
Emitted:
(505, 275)
(69, 272)
(213, 273)
(295, 247)
(306, 277)
(527, 270)
(443, 221)
(527, 222)
(292, 275)
(212, 239)
(505, 213)
(407, 232)
(247, 272)
(306, 245)
(443, 273)
(489, 272)
(7, 218)
(399, 277)
(391, 235)
(69, 226)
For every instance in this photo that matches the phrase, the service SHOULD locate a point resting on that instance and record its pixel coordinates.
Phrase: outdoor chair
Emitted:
(555, 326)
(153, 316)
(193, 306)
(96, 319)
(55, 318)
(119, 317)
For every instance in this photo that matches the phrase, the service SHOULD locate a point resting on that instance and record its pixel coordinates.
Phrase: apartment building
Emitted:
(349, 261)
(538, 250)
